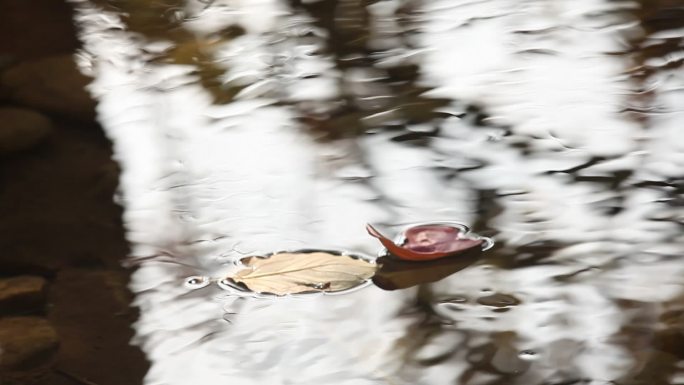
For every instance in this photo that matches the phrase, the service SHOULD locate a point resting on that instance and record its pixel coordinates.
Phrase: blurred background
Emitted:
(146, 141)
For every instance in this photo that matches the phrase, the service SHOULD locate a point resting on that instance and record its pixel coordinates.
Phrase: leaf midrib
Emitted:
(288, 272)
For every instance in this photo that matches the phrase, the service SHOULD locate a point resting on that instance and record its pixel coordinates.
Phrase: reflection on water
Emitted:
(247, 127)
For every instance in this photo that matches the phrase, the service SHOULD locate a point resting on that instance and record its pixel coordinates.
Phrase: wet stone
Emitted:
(22, 129)
(22, 294)
(92, 313)
(52, 84)
(26, 343)
(6, 61)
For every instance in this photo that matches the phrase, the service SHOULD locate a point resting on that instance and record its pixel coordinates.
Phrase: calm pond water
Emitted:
(554, 127)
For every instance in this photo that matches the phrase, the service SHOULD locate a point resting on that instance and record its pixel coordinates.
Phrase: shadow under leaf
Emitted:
(395, 274)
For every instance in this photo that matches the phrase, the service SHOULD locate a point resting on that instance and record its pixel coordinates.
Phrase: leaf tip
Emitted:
(373, 231)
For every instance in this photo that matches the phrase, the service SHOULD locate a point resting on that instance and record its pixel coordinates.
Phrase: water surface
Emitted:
(247, 127)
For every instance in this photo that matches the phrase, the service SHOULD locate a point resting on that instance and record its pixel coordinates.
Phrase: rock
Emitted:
(26, 343)
(21, 129)
(22, 294)
(6, 61)
(92, 313)
(51, 84)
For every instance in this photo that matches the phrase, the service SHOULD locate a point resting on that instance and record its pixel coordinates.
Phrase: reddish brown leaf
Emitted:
(427, 242)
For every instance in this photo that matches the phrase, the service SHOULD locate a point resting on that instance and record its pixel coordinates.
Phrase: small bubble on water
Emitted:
(527, 355)
(197, 282)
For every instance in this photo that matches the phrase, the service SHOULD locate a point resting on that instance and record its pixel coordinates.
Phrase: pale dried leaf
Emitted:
(291, 273)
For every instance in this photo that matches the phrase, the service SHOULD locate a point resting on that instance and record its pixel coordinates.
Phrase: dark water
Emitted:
(554, 127)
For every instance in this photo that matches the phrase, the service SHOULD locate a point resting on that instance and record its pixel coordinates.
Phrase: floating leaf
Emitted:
(427, 242)
(303, 272)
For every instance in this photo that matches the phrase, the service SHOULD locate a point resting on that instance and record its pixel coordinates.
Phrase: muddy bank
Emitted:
(65, 310)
